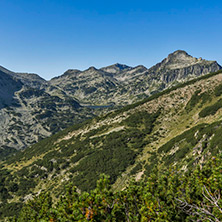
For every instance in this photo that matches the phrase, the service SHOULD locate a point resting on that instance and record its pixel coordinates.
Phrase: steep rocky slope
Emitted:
(31, 109)
(28, 79)
(180, 127)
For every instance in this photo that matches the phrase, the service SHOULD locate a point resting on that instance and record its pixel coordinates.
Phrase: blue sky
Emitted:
(49, 37)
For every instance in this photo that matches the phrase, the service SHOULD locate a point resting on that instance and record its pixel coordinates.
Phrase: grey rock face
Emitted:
(116, 68)
(31, 80)
(8, 86)
(32, 109)
(179, 65)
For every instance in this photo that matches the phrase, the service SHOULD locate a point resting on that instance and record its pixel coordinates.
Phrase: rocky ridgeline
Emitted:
(32, 108)
(120, 84)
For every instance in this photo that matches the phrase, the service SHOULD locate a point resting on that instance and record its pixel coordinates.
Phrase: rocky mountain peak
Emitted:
(179, 60)
(67, 74)
(179, 54)
(141, 68)
(115, 68)
(121, 66)
(70, 72)
(180, 57)
(91, 68)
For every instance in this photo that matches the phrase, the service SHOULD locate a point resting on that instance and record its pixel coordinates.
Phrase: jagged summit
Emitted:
(72, 71)
(69, 72)
(93, 68)
(180, 56)
(28, 79)
(116, 68)
(179, 60)
(141, 68)
(121, 84)
(179, 53)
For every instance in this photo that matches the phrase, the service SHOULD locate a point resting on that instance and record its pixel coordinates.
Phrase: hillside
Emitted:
(165, 195)
(32, 108)
(179, 127)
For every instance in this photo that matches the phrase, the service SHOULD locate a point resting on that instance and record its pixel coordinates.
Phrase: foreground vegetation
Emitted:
(166, 195)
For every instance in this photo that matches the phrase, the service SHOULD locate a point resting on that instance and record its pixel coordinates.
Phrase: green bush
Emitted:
(211, 110)
(218, 90)
(161, 197)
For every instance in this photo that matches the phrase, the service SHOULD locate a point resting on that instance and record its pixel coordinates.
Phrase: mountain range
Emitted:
(120, 84)
(178, 127)
(32, 108)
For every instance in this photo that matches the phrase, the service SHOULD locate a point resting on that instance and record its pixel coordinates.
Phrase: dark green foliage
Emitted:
(187, 135)
(160, 198)
(112, 159)
(197, 98)
(10, 209)
(137, 118)
(43, 145)
(38, 209)
(218, 90)
(187, 141)
(5, 179)
(177, 156)
(153, 161)
(136, 169)
(13, 187)
(25, 185)
(6, 151)
(77, 157)
(211, 110)
(84, 157)
(143, 118)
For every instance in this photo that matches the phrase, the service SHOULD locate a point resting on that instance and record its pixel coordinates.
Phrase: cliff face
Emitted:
(179, 66)
(8, 87)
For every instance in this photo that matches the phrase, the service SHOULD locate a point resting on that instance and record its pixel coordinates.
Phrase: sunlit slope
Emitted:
(180, 126)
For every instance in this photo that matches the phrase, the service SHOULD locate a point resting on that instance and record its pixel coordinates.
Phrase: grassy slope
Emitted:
(165, 129)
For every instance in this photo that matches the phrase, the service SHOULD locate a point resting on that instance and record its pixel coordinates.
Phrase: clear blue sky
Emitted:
(50, 36)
